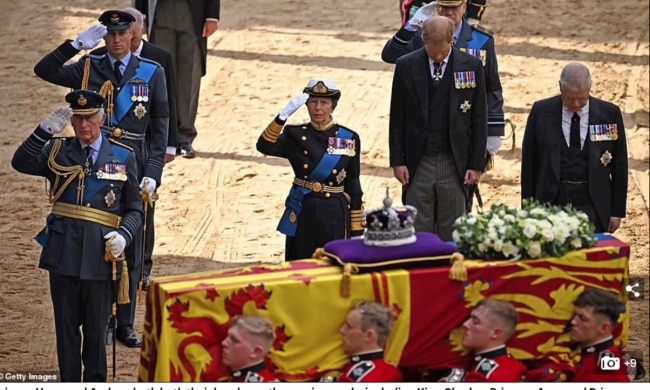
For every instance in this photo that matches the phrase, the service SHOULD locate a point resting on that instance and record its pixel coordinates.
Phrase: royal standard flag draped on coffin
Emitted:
(188, 315)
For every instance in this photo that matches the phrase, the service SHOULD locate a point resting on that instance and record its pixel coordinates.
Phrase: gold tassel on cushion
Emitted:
(457, 272)
(348, 270)
(123, 295)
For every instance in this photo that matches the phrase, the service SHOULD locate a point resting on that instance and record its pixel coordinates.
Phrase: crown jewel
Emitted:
(388, 226)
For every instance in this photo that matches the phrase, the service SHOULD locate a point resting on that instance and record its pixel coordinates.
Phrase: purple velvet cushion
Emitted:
(427, 247)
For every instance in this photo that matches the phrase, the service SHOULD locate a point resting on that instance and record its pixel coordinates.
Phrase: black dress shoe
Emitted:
(186, 151)
(127, 336)
(145, 283)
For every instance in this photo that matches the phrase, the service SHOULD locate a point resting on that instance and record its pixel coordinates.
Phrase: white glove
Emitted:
(151, 184)
(493, 144)
(90, 38)
(293, 106)
(57, 120)
(118, 244)
(422, 14)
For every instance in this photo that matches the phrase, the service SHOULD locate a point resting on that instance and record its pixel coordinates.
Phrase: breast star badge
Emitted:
(110, 198)
(606, 158)
(341, 176)
(465, 106)
(140, 111)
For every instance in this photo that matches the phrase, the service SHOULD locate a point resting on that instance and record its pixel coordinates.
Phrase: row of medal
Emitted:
(605, 132)
(140, 93)
(341, 147)
(465, 79)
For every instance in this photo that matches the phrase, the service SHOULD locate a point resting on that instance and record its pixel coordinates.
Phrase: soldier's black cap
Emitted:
(116, 20)
(85, 102)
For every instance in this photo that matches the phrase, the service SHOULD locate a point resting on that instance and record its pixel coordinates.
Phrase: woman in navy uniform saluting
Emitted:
(324, 203)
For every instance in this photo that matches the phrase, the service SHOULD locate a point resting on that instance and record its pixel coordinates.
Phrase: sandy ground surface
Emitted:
(222, 207)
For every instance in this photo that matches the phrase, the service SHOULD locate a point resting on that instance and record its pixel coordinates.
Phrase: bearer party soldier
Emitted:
(135, 87)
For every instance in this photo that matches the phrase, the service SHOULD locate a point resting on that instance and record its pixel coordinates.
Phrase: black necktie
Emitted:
(118, 72)
(437, 71)
(574, 137)
(88, 165)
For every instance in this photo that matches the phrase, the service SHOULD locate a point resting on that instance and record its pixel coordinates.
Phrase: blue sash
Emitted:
(288, 223)
(479, 39)
(123, 101)
(92, 186)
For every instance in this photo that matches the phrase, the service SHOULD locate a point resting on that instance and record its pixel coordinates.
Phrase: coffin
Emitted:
(187, 316)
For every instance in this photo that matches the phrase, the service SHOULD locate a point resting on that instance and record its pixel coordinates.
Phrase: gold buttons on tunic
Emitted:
(334, 171)
(306, 152)
(330, 184)
(327, 195)
(306, 166)
(304, 138)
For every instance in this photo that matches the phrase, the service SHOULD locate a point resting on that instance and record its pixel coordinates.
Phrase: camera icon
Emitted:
(608, 363)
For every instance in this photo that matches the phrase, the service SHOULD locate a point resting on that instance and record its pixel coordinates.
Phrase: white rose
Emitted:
(509, 218)
(576, 243)
(482, 247)
(530, 231)
(455, 236)
(547, 235)
(534, 249)
(498, 245)
(510, 250)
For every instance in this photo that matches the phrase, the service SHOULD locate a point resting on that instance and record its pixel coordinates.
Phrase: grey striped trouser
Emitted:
(437, 193)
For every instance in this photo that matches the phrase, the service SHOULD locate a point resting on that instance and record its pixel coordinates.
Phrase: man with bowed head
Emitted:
(365, 332)
(95, 196)
(574, 152)
(244, 349)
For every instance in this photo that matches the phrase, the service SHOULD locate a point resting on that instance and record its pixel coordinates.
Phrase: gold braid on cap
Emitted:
(70, 173)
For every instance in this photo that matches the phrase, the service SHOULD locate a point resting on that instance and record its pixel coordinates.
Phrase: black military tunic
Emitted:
(332, 205)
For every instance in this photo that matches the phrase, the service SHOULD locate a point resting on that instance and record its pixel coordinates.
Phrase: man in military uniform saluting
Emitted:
(95, 196)
(136, 88)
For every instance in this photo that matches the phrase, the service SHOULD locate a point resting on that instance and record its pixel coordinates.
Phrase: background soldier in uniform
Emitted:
(94, 188)
(137, 89)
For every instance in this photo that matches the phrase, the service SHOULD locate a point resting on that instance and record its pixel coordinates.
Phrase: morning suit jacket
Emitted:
(405, 41)
(540, 163)
(409, 113)
(76, 247)
(164, 58)
(150, 163)
(201, 10)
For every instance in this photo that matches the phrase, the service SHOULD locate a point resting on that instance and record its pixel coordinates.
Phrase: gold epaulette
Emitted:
(119, 144)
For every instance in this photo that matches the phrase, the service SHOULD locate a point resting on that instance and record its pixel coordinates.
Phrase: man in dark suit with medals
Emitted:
(574, 152)
(136, 88)
(95, 196)
(470, 38)
(438, 127)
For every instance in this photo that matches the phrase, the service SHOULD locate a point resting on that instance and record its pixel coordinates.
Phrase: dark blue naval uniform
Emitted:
(143, 80)
(74, 247)
(476, 41)
(330, 205)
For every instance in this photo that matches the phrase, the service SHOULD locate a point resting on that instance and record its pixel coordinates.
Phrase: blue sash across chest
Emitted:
(293, 205)
(123, 101)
